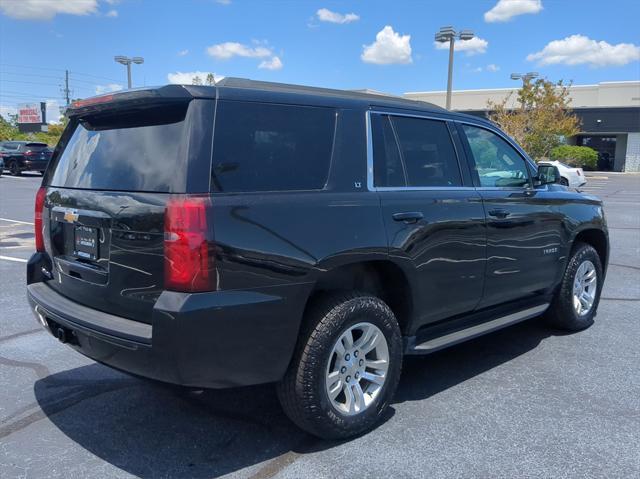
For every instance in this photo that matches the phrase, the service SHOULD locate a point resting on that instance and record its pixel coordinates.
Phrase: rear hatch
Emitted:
(37, 155)
(119, 161)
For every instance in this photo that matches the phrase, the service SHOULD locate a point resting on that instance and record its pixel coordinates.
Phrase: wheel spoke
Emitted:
(359, 397)
(347, 339)
(366, 335)
(372, 342)
(377, 364)
(350, 399)
(373, 378)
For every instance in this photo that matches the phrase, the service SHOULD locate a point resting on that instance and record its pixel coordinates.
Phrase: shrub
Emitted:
(576, 156)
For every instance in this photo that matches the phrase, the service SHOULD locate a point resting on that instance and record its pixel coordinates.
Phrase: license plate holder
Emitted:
(85, 242)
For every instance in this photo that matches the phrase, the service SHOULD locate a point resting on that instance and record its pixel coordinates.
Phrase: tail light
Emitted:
(37, 218)
(188, 245)
(579, 172)
(30, 153)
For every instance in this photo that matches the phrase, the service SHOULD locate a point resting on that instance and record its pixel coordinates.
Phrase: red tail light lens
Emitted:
(29, 153)
(188, 243)
(37, 219)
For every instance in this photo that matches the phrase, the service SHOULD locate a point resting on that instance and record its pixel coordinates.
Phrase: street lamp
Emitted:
(525, 77)
(128, 61)
(448, 34)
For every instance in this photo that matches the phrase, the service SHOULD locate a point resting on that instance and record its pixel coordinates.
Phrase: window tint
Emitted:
(496, 162)
(387, 165)
(427, 152)
(269, 147)
(142, 151)
(423, 156)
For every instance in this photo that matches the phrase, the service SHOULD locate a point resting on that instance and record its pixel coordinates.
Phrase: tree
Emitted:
(541, 118)
(196, 80)
(211, 79)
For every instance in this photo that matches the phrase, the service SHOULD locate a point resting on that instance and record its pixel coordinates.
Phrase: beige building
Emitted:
(609, 112)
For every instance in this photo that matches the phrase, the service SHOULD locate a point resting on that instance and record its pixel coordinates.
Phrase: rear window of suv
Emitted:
(271, 147)
(144, 150)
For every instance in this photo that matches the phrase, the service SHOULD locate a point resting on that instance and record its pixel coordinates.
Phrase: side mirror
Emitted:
(547, 175)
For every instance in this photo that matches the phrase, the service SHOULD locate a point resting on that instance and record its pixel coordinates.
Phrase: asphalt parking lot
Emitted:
(523, 402)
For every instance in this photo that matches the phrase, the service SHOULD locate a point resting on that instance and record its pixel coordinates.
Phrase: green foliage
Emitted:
(9, 131)
(576, 156)
(540, 117)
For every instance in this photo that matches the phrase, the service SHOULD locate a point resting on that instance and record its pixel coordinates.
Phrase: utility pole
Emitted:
(66, 87)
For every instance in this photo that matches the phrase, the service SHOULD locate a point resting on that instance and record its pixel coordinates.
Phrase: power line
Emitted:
(62, 70)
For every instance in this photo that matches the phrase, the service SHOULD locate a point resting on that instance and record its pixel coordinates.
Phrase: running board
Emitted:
(450, 339)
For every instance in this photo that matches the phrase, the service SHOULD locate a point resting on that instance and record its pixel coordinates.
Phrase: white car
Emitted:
(572, 177)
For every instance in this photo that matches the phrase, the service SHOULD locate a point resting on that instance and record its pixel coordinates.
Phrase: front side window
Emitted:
(271, 147)
(496, 163)
(413, 152)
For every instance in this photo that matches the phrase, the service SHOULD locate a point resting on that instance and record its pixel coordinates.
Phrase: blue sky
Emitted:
(587, 41)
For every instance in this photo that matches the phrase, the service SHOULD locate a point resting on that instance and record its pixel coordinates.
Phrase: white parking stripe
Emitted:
(16, 221)
(10, 258)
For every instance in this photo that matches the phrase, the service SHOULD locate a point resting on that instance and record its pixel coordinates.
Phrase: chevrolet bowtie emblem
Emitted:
(70, 216)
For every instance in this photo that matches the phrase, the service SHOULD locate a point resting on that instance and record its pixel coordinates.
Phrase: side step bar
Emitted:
(455, 337)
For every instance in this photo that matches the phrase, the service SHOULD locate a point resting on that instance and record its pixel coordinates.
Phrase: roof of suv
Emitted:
(253, 90)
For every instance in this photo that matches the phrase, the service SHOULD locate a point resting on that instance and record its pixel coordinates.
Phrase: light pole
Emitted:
(525, 77)
(448, 34)
(128, 61)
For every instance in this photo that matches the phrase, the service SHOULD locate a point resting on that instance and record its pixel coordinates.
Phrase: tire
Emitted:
(15, 169)
(563, 313)
(564, 181)
(303, 391)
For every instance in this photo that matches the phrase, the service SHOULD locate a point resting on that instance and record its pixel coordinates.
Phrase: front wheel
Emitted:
(346, 367)
(576, 302)
(564, 181)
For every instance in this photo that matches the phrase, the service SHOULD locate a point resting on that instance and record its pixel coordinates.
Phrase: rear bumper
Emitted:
(213, 340)
(34, 165)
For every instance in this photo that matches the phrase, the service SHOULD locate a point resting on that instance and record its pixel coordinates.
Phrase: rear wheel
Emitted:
(576, 302)
(345, 369)
(14, 168)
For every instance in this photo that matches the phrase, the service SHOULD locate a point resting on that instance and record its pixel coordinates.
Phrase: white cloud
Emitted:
(47, 9)
(492, 67)
(6, 111)
(183, 53)
(186, 78)
(505, 10)
(471, 47)
(326, 15)
(100, 89)
(112, 13)
(224, 51)
(53, 112)
(389, 47)
(579, 50)
(272, 64)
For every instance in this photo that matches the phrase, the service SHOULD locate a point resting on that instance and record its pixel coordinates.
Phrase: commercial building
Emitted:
(609, 113)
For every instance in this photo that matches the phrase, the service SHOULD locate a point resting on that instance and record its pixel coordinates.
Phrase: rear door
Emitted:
(107, 187)
(434, 217)
(524, 237)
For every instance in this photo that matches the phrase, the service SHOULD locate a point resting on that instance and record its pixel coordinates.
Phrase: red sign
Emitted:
(29, 113)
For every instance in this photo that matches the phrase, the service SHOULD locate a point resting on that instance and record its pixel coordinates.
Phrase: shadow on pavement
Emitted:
(151, 430)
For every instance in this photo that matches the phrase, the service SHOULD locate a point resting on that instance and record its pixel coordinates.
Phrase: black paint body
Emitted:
(273, 250)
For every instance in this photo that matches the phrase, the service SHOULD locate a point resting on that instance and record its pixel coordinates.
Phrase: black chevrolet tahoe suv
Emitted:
(254, 232)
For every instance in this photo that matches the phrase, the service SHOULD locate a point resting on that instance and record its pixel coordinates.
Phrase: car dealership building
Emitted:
(609, 113)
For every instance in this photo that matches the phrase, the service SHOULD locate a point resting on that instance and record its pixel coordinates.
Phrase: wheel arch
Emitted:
(380, 277)
(596, 238)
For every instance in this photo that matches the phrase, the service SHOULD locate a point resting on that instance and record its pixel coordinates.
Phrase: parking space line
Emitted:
(16, 221)
(11, 258)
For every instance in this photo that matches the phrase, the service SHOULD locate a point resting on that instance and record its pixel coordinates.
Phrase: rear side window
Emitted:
(270, 147)
(413, 152)
(137, 151)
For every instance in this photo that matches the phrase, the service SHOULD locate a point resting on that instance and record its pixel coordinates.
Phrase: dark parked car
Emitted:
(254, 232)
(22, 156)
